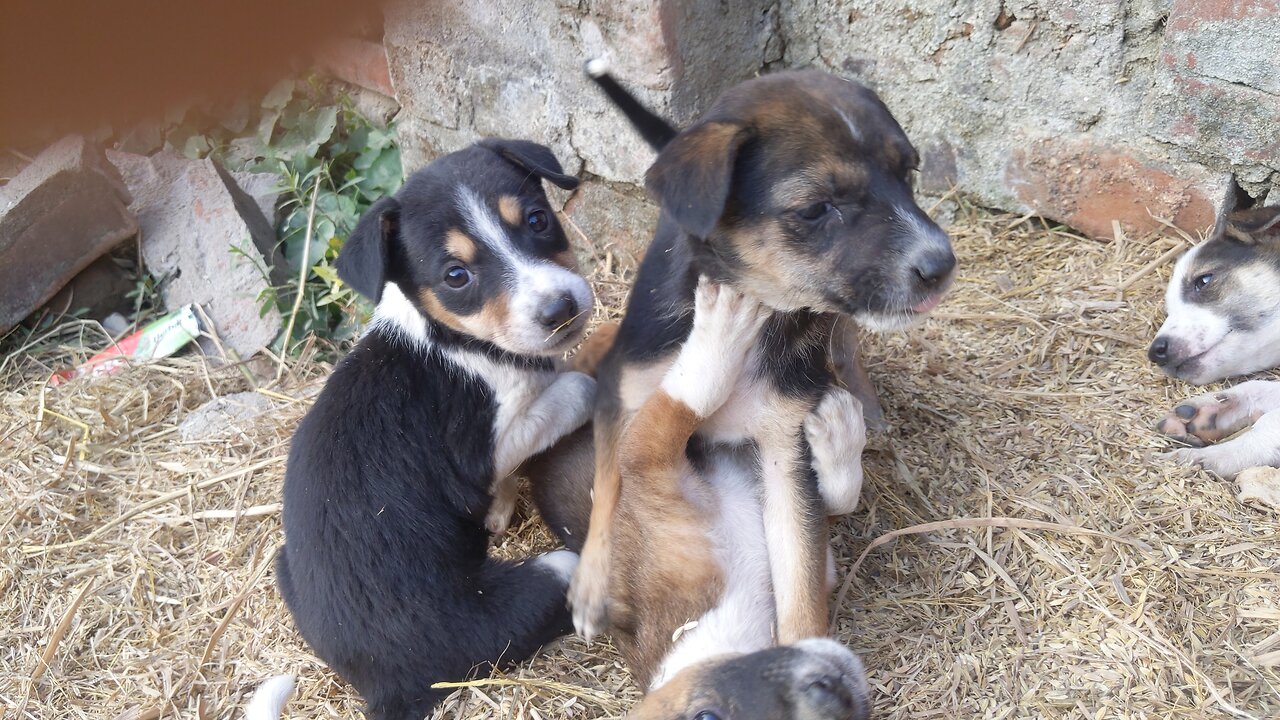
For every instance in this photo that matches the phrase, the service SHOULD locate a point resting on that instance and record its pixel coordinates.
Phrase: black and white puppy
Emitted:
(1223, 306)
(402, 468)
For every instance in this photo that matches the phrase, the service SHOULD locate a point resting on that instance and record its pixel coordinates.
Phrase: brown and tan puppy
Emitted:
(795, 190)
(692, 580)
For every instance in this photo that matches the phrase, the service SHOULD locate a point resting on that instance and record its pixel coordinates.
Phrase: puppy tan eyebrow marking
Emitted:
(435, 309)
(459, 246)
(509, 210)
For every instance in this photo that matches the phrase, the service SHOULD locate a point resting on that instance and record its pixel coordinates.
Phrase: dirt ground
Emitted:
(1069, 572)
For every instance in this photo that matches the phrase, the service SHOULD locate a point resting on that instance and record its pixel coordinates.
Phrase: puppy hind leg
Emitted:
(521, 607)
(505, 491)
(560, 480)
(588, 593)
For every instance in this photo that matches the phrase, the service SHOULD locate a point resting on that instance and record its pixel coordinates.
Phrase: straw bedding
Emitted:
(1068, 572)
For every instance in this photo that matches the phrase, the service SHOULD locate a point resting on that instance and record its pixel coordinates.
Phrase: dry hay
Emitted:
(137, 579)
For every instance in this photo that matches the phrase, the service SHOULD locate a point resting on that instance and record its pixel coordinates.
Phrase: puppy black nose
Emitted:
(935, 267)
(1158, 353)
(558, 312)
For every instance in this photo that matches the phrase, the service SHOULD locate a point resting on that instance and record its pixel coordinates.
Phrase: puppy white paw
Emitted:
(726, 326)
(560, 562)
(1223, 464)
(837, 436)
(588, 596)
(575, 398)
(1208, 418)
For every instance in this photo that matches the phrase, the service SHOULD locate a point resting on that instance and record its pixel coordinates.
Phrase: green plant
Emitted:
(320, 146)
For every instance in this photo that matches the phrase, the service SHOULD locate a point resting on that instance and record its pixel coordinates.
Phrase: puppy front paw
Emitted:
(726, 325)
(588, 596)
(575, 399)
(1208, 418)
(1223, 464)
(726, 320)
(837, 436)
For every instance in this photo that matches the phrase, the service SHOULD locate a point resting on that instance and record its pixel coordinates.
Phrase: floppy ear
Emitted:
(1255, 225)
(537, 159)
(693, 173)
(362, 264)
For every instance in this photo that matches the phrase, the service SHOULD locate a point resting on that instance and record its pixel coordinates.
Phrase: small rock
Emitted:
(204, 237)
(59, 214)
(1260, 485)
(220, 416)
(264, 188)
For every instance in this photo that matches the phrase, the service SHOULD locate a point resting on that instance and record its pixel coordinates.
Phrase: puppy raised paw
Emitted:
(726, 325)
(837, 435)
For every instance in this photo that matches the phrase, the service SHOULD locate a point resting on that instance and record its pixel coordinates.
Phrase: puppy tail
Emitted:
(268, 700)
(653, 128)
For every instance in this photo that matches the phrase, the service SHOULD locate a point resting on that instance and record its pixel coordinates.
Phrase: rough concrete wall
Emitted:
(1085, 112)
(476, 68)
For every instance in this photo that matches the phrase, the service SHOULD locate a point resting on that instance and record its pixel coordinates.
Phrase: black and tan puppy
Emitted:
(814, 679)
(794, 189)
(399, 472)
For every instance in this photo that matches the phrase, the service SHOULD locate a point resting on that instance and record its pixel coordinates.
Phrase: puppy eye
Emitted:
(815, 211)
(538, 221)
(706, 715)
(1202, 281)
(457, 276)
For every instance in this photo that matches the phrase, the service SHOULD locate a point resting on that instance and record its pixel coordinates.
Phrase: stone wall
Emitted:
(1086, 112)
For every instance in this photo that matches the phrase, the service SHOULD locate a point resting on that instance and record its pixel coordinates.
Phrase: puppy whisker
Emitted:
(565, 324)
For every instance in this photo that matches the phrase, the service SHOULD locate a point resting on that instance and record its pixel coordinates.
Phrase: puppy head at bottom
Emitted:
(813, 679)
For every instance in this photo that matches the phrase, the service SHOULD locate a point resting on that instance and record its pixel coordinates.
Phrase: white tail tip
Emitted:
(268, 700)
(597, 66)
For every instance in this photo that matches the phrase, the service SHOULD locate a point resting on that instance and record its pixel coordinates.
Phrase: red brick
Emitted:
(1087, 185)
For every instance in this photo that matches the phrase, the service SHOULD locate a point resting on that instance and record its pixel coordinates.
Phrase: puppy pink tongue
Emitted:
(927, 304)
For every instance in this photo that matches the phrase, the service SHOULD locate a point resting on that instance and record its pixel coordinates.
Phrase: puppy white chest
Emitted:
(514, 389)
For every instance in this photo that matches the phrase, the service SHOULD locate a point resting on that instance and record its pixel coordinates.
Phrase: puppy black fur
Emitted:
(386, 568)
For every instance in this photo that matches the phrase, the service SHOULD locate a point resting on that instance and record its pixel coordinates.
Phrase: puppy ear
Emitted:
(1255, 225)
(693, 173)
(537, 159)
(363, 262)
